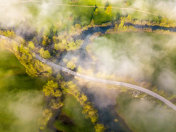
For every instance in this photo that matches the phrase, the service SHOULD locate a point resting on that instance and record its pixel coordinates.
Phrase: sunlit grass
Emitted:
(20, 96)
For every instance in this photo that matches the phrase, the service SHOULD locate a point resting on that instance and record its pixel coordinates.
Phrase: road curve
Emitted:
(58, 67)
(144, 90)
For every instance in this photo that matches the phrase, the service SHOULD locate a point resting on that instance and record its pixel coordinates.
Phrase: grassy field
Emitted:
(21, 101)
(142, 56)
(72, 119)
(144, 115)
(21, 98)
(145, 57)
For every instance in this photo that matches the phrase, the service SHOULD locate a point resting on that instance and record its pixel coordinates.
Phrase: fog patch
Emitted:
(166, 81)
(146, 116)
(27, 109)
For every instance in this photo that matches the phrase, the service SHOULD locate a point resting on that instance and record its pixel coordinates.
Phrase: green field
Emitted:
(21, 101)
(21, 98)
(145, 57)
(148, 56)
(72, 119)
(145, 115)
(67, 59)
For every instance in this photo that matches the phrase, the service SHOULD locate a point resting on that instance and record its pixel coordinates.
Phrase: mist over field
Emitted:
(21, 102)
(130, 41)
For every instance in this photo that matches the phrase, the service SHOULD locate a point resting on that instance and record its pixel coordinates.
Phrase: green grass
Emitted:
(13, 75)
(73, 111)
(20, 96)
(145, 116)
(152, 53)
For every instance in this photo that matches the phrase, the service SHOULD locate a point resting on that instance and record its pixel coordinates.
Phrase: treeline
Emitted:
(54, 91)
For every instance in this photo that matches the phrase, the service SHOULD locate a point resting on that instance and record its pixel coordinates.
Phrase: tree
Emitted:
(56, 104)
(47, 114)
(61, 45)
(74, 45)
(8, 33)
(77, 26)
(71, 65)
(99, 128)
(31, 45)
(108, 10)
(46, 40)
(51, 89)
(44, 53)
(57, 46)
(88, 110)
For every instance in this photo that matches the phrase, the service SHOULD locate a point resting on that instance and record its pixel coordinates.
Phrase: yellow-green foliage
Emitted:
(71, 65)
(8, 45)
(67, 45)
(88, 110)
(55, 39)
(61, 45)
(77, 26)
(127, 19)
(26, 60)
(44, 53)
(31, 45)
(96, 11)
(155, 20)
(33, 67)
(26, 57)
(51, 89)
(57, 46)
(167, 23)
(121, 25)
(55, 104)
(59, 76)
(74, 45)
(46, 40)
(7, 33)
(99, 128)
(47, 114)
(108, 10)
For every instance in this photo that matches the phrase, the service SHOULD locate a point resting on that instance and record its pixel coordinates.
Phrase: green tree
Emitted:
(51, 89)
(99, 128)
(31, 45)
(44, 53)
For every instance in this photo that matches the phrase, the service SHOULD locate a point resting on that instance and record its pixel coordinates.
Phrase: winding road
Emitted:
(110, 82)
(144, 90)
